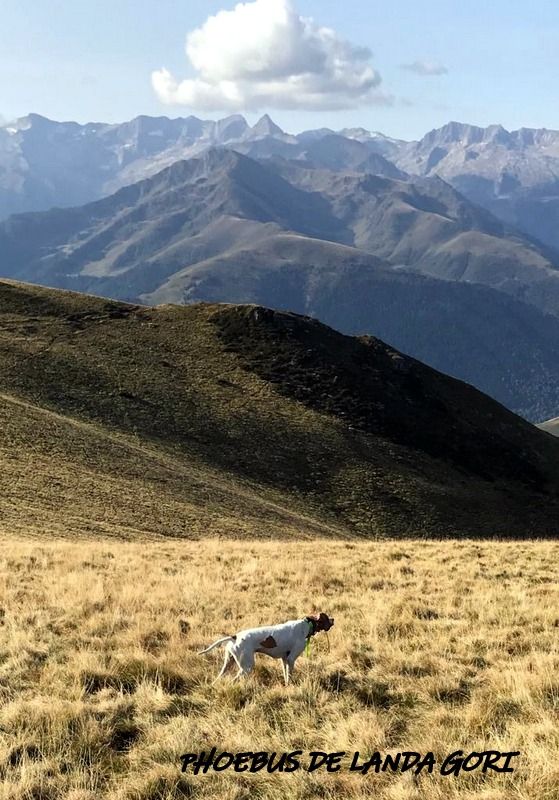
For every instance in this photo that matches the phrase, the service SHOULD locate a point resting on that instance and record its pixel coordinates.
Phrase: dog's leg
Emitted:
(285, 672)
(235, 658)
(245, 662)
(242, 673)
(227, 662)
(289, 667)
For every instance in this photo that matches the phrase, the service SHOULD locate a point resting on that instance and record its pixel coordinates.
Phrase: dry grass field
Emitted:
(437, 646)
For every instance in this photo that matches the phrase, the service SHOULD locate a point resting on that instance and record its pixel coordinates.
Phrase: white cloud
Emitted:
(264, 54)
(426, 68)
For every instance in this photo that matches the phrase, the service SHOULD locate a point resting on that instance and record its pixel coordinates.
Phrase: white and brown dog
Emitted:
(286, 641)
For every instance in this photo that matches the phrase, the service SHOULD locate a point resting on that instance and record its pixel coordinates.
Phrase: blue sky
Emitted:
(69, 59)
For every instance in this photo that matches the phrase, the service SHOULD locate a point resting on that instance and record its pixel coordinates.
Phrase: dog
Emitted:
(286, 641)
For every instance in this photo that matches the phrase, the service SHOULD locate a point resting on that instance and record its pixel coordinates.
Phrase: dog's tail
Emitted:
(216, 644)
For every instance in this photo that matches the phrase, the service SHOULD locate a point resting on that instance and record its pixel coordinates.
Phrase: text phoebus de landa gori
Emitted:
(452, 764)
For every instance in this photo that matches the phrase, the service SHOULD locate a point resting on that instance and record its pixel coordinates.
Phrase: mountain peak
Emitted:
(212, 159)
(462, 133)
(36, 120)
(266, 127)
(230, 128)
(496, 134)
(361, 134)
(454, 132)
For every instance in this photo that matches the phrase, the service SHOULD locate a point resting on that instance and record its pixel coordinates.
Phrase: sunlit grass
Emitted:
(437, 646)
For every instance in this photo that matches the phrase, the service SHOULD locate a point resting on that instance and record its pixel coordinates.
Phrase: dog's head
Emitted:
(322, 622)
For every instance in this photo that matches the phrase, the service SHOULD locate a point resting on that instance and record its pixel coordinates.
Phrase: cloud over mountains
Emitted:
(264, 54)
(426, 68)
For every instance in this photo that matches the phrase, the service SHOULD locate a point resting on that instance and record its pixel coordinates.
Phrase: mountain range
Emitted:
(515, 175)
(128, 420)
(225, 227)
(352, 227)
(44, 163)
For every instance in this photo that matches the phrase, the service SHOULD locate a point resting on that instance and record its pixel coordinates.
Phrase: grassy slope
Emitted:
(101, 434)
(177, 421)
(101, 689)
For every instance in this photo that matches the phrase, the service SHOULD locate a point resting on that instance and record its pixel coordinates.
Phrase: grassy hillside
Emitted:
(102, 691)
(101, 433)
(234, 420)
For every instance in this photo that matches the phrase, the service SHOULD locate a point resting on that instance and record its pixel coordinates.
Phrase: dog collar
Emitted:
(308, 637)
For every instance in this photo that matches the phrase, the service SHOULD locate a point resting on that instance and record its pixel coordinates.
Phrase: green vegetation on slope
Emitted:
(237, 420)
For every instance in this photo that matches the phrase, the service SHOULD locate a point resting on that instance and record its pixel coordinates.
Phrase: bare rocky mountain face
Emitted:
(44, 163)
(347, 248)
(513, 174)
